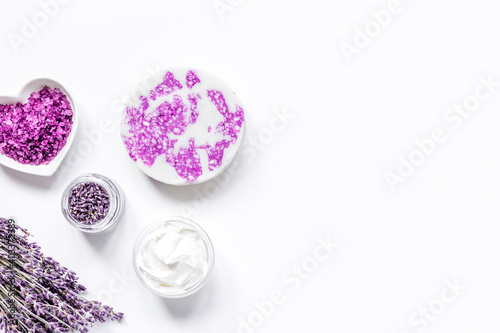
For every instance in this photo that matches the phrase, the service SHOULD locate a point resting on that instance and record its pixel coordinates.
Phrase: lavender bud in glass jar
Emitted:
(88, 203)
(93, 203)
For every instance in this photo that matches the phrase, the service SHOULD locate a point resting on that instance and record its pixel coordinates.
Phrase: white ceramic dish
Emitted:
(202, 131)
(48, 169)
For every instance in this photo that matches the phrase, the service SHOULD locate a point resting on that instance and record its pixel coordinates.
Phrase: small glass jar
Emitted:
(205, 245)
(116, 203)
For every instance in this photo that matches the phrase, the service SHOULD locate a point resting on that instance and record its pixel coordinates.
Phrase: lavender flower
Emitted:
(37, 294)
(88, 203)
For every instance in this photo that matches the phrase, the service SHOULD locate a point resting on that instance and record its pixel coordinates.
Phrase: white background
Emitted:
(322, 175)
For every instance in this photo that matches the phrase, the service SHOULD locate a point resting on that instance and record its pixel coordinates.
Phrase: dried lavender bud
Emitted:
(35, 132)
(37, 294)
(88, 203)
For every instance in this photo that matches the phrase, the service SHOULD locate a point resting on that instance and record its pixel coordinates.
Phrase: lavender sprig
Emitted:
(39, 294)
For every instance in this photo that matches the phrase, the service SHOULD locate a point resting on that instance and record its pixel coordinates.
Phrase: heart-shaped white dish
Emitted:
(45, 170)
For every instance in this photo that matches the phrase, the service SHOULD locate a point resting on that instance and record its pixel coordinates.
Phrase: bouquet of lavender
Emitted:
(37, 294)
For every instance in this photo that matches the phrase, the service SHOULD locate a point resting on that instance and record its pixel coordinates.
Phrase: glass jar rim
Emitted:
(115, 206)
(210, 253)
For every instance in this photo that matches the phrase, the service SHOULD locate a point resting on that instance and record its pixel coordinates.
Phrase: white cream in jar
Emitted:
(173, 258)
